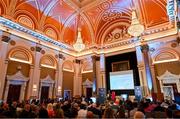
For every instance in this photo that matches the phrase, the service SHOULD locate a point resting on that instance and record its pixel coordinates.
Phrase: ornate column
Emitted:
(145, 50)
(30, 83)
(153, 78)
(77, 78)
(98, 74)
(59, 76)
(102, 71)
(95, 77)
(3, 62)
(142, 71)
(35, 74)
(6, 90)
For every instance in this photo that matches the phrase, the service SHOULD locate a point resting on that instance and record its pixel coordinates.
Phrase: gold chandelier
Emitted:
(136, 29)
(79, 45)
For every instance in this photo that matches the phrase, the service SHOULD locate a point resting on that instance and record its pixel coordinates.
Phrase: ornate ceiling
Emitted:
(101, 21)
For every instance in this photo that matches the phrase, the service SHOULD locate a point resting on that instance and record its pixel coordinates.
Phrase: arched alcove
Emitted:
(68, 78)
(164, 55)
(20, 58)
(48, 66)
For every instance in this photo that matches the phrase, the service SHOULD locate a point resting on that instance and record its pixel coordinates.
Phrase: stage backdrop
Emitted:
(121, 62)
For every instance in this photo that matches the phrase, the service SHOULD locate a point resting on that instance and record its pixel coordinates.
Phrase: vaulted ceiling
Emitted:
(101, 21)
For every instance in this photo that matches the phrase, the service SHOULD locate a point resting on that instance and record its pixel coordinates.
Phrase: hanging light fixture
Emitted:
(79, 45)
(136, 29)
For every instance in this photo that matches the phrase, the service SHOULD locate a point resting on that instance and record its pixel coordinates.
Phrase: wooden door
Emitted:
(44, 93)
(88, 92)
(14, 92)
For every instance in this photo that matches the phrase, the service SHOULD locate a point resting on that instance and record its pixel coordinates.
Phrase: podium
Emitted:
(101, 95)
(138, 92)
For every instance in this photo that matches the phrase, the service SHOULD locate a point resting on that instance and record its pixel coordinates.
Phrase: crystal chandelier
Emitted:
(136, 29)
(79, 46)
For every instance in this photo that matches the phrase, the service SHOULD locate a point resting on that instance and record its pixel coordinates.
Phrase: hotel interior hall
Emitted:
(89, 50)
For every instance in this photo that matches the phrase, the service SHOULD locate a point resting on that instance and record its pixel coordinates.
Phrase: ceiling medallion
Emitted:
(135, 29)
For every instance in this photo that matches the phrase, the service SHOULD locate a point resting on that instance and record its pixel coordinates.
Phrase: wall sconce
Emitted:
(34, 87)
(59, 88)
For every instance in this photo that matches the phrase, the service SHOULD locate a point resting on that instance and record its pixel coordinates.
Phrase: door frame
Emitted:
(16, 79)
(49, 82)
(87, 84)
(170, 94)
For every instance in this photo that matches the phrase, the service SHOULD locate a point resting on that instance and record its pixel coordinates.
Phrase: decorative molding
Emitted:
(68, 66)
(20, 54)
(144, 48)
(51, 33)
(12, 25)
(117, 34)
(25, 20)
(171, 10)
(87, 83)
(18, 77)
(169, 78)
(77, 61)
(47, 80)
(111, 15)
(13, 43)
(48, 61)
(164, 55)
(6, 39)
(95, 58)
(38, 49)
(61, 56)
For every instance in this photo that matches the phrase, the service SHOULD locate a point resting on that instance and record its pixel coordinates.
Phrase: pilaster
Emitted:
(59, 77)
(142, 71)
(3, 62)
(77, 78)
(35, 74)
(145, 52)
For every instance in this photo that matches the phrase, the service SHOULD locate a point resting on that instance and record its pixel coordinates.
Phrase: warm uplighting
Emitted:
(19, 60)
(48, 66)
(34, 87)
(136, 29)
(59, 88)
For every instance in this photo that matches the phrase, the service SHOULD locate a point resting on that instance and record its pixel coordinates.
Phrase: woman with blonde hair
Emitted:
(50, 110)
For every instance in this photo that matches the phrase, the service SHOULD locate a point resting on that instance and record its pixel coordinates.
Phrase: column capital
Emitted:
(61, 56)
(95, 58)
(57, 71)
(144, 48)
(77, 61)
(6, 61)
(6, 39)
(31, 66)
(38, 49)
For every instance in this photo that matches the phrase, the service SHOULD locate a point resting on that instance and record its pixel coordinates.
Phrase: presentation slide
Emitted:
(122, 80)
